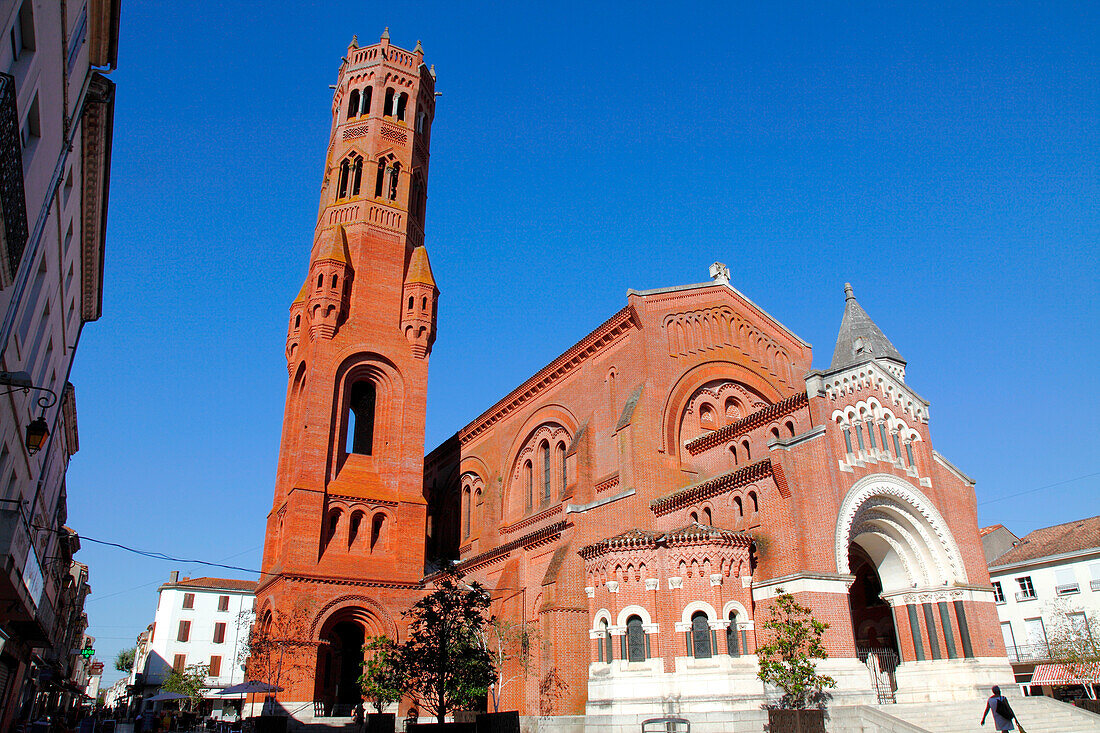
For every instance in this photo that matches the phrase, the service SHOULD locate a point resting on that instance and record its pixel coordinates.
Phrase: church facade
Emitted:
(638, 503)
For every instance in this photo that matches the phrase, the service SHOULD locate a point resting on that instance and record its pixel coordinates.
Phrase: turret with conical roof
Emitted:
(420, 293)
(860, 340)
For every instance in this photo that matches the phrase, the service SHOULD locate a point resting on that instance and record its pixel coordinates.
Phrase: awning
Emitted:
(1066, 674)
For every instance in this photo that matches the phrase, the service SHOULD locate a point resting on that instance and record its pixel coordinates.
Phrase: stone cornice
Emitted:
(748, 423)
(538, 537)
(568, 363)
(97, 122)
(532, 520)
(717, 485)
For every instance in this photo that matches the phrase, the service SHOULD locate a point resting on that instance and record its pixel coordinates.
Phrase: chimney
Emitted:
(174, 576)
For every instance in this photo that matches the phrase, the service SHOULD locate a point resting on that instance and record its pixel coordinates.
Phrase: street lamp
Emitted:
(37, 430)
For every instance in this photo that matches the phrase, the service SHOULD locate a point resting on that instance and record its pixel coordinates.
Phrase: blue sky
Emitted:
(944, 161)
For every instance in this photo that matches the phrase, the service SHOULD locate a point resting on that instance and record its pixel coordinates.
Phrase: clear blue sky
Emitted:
(943, 161)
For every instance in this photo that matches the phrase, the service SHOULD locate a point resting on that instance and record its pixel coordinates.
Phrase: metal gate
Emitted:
(882, 665)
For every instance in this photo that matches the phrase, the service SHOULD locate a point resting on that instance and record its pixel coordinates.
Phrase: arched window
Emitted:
(733, 450)
(755, 503)
(706, 417)
(342, 189)
(353, 527)
(424, 303)
(420, 121)
(707, 519)
(733, 648)
(694, 516)
(847, 440)
(700, 636)
(528, 486)
(475, 505)
(361, 418)
(395, 173)
(387, 111)
(353, 104)
(364, 104)
(402, 102)
(465, 512)
(909, 452)
(561, 467)
(790, 428)
(897, 448)
(357, 176)
(732, 413)
(739, 506)
(635, 639)
(377, 527)
(335, 280)
(748, 453)
(411, 302)
(859, 435)
(604, 642)
(544, 453)
(380, 181)
(331, 526)
(775, 433)
(297, 320)
(871, 433)
(320, 280)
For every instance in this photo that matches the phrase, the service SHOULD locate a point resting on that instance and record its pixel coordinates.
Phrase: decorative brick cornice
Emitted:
(537, 537)
(717, 485)
(532, 520)
(568, 363)
(328, 580)
(748, 423)
(641, 539)
(607, 483)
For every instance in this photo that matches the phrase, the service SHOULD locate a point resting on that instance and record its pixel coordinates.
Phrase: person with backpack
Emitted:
(1002, 711)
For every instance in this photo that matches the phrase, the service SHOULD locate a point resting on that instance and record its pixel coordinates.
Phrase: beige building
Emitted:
(56, 111)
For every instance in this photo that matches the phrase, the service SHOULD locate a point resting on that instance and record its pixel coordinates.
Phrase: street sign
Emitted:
(87, 653)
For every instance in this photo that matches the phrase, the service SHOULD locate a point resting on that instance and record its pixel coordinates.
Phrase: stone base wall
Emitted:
(948, 680)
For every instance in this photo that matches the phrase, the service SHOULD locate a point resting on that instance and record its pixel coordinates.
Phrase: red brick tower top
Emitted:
(350, 474)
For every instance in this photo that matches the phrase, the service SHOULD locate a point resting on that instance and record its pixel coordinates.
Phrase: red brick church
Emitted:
(640, 501)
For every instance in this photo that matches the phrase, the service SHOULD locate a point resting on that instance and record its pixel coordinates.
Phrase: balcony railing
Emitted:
(13, 201)
(1024, 595)
(1067, 589)
(1094, 584)
(1029, 653)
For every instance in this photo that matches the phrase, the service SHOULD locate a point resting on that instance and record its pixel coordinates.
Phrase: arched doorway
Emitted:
(340, 656)
(872, 619)
(339, 664)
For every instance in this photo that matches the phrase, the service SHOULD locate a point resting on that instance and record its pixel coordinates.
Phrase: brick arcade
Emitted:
(640, 501)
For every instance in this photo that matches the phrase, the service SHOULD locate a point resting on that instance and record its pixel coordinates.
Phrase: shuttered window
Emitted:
(179, 663)
(184, 632)
(219, 633)
(223, 603)
(215, 667)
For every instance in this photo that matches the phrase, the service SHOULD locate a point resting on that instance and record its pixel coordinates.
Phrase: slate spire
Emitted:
(860, 340)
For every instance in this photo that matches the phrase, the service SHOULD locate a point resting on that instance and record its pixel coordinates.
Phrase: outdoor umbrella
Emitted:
(163, 696)
(250, 687)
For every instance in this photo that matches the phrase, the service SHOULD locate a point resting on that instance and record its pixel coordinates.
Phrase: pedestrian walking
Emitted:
(1002, 711)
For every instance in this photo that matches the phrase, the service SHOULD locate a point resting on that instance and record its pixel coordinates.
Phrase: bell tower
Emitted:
(349, 508)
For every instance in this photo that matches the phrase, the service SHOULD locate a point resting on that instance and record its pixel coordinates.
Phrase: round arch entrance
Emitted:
(340, 656)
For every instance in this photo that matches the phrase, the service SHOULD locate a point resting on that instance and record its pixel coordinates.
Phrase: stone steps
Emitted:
(1038, 715)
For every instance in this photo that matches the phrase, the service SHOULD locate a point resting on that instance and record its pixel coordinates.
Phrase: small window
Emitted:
(527, 483)
(184, 633)
(389, 109)
(635, 639)
(380, 181)
(755, 502)
(219, 633)
(998, 592)
(745, 447)
(707, 520)
(733, 648)
(179, 662)
(544, 451)
(603, 648)
(342, 189)
(424, 303)
(353, 104)
(297, 321)
(215, 667)
(700, 636)
(465, 513)
(188, 600)
(356, 176)
(402, 103)
(377, 530)
(739, 506)
(223, 603)
(411, 301)
(1027, 590)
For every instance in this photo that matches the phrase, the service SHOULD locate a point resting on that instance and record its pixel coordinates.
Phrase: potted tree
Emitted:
(788, 661)
(382, 683)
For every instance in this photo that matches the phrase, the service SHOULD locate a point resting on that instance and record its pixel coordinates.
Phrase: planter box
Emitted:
(506, 722)
(381, 722)
(796, 721)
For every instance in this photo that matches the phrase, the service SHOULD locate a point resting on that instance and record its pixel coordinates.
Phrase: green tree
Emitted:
(382, 681)
(443, 660)
(787, 661)
(190, 682)
(124, 660)
(1073, 638)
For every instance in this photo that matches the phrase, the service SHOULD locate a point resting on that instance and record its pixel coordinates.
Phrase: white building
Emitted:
(199, 621)
(1047, 588)
(56, 113)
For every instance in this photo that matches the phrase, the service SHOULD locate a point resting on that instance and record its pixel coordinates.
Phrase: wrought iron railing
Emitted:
(1024, 595)
(13, 199)
(1029, 652)
(1067, 588)
(1094, 585)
